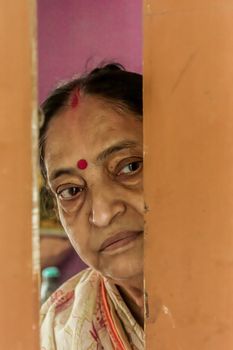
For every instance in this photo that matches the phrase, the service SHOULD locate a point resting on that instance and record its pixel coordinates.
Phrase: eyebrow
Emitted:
(62, 171)
(115, 148)
(101, 157)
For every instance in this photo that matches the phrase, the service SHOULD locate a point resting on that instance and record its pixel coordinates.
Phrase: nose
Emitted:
(106, 205)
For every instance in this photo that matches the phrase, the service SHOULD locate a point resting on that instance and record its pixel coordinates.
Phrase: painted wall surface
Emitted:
(19, 299)
(75, 34)
(188, 174)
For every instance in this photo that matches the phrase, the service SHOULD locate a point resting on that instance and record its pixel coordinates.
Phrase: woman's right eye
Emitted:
(69, 193)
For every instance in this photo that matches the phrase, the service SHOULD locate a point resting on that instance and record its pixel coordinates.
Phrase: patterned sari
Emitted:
(88, 313)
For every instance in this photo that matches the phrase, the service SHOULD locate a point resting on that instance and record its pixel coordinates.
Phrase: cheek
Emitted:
(135, 199)
(66, 219)
(71, 224)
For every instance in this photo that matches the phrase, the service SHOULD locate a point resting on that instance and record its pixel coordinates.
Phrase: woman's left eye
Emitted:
(130, 168)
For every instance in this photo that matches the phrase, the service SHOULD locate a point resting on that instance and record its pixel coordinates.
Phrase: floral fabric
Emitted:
(88, 313)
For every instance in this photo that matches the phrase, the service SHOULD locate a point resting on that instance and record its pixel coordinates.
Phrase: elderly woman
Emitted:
(91, 158)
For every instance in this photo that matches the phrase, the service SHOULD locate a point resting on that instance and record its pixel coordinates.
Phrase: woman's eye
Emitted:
(130, 168)
(69, 192)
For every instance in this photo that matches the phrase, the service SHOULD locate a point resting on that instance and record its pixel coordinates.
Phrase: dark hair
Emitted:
(110, 82)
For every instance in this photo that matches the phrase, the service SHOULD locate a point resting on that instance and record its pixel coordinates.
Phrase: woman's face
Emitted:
(100, 207)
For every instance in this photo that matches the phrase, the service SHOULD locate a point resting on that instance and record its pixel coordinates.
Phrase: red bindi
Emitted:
(75, 99)
(82, 164)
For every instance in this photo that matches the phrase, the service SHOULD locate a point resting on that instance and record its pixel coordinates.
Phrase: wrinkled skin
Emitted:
(106, 198)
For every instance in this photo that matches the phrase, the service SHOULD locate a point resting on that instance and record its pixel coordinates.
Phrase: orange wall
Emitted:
(188, 175)
(18, 295)
(188, 89)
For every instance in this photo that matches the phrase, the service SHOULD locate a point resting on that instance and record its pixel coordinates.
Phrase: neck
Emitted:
(132, 291)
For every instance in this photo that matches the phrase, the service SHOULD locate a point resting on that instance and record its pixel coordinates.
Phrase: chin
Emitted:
(121, 264)
(124, 267)
(125, 275)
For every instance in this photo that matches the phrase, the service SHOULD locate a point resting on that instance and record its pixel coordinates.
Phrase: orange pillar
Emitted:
(18, 262)
(188, 95)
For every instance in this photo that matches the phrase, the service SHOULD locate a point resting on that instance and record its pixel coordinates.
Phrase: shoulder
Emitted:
(69, 312)
(63, 298)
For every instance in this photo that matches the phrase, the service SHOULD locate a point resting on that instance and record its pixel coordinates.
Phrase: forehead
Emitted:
(88, 129)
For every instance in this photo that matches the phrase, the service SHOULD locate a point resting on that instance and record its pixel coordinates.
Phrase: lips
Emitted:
(118, 239)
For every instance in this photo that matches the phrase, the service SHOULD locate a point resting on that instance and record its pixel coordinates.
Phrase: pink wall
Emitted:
(71, 32)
